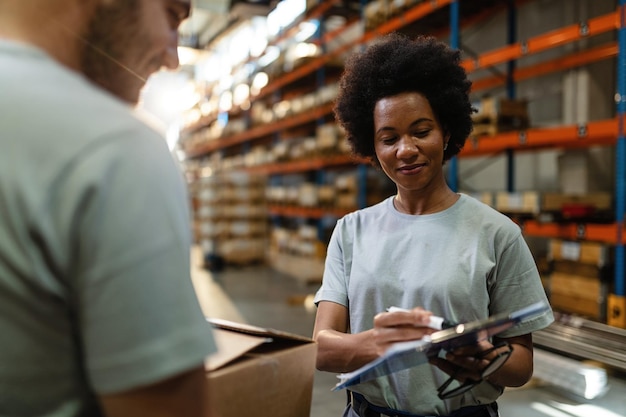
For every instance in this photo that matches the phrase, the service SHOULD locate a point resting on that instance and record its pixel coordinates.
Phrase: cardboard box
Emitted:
(577, 305)
(260, 372)
(556, 201)
(576, 286)
(586, 252)
(524, 202)
(616, 311)
(581, 269)
(579, 295)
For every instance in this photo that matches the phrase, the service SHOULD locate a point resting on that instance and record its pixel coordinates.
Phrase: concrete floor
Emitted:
(262, 297)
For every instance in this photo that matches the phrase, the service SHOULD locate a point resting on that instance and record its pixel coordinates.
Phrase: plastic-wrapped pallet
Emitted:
(574, 377)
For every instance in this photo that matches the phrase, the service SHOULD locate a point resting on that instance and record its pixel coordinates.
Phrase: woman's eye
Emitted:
(421, 133)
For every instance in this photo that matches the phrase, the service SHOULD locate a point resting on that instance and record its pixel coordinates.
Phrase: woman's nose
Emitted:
(407, 146)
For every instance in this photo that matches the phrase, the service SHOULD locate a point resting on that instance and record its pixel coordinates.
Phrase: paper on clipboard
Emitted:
(405, 355)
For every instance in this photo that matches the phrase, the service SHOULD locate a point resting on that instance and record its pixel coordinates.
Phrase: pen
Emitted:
(434, 322)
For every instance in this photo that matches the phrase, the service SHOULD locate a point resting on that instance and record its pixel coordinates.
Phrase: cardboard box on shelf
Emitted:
(260, 372)
(556, 201)
(494, 107)
(616, 314)
(577, 305)
(586, 252)
(523, 202)
(581, 269)
(578, 294)
(499, 115)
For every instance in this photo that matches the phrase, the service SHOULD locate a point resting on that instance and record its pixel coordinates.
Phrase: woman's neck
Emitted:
(415, 203)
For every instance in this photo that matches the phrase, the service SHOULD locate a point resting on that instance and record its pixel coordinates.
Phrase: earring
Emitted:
(445, 146)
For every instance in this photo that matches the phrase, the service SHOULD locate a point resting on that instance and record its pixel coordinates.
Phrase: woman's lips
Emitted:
(411, 169)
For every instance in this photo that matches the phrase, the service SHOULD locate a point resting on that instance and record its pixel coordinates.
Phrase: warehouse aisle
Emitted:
(263, 297)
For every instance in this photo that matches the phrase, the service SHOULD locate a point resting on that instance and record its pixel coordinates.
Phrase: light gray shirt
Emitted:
(464, 263)
(95, 288)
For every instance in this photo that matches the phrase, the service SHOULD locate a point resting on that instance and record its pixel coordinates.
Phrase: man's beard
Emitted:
(110, 32)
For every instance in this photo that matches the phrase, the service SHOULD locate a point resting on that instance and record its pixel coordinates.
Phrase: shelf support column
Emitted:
(616, 306)
(453, 165)
(620, 161)
(362, 184)
(510, 89)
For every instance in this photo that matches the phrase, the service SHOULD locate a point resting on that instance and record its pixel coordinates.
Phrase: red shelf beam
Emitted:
(304, 165)
(543, 42)
(259, 131)
(606, 233)
(534, 137)
(603, 132)
(574, 60)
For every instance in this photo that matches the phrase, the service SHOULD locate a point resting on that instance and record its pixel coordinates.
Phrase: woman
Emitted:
(405, 105)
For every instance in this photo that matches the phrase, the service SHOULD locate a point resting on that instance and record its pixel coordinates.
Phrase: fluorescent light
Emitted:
(271, 54)
(306, 30)
(187, 56)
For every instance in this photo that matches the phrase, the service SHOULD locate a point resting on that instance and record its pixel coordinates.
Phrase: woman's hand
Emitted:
(468, 362)
(400, 326)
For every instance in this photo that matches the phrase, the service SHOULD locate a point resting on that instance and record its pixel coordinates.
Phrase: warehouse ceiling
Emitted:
(211, 18)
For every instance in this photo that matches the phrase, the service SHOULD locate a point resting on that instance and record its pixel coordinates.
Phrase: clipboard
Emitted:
(412, 353)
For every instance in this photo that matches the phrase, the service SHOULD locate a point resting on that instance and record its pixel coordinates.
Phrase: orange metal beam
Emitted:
(304, 165)
(540, 43)
(259, 131)
(566, 62)
(573, 231)
(603, 132)
(572, 33)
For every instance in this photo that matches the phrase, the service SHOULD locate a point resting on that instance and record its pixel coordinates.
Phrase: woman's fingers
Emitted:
(415, 317)
(400, 326)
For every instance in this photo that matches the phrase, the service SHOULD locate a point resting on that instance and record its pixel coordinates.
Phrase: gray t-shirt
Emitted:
(95, 289)
(463, 263)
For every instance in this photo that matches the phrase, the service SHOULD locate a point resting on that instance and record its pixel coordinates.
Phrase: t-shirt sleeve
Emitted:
(334, 280)
(518, 285)
(139, 318)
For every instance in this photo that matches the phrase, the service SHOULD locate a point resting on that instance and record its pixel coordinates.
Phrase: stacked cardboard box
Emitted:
(230, 217)
(500, 115)
(526, 203)
(579, 283)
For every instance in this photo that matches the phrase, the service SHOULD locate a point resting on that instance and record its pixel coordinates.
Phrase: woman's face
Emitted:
(409, 142)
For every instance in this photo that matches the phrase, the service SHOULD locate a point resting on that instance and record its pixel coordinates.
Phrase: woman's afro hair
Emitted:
(397, 64)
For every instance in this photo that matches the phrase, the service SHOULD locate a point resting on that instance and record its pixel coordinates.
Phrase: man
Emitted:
(98, 316)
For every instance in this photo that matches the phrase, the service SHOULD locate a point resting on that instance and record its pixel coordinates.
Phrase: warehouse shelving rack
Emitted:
(602, 132)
